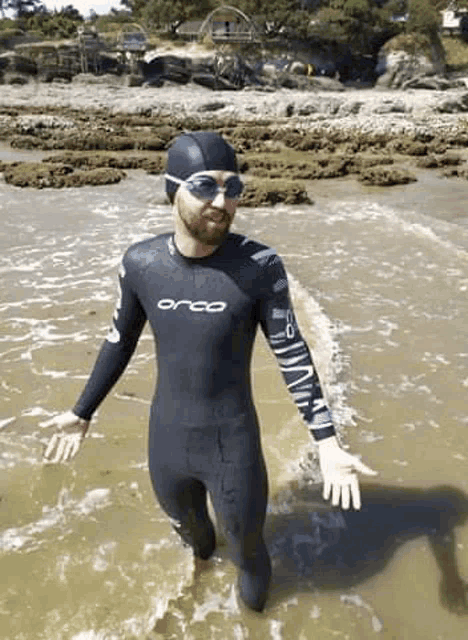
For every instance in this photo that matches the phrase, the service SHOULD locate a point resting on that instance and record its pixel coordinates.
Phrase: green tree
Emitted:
(53, 24)
(424, 18)
(275, 16)
(354, 23)
(172, 13)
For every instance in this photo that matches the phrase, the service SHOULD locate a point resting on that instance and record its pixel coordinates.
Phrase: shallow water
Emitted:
(379, 280)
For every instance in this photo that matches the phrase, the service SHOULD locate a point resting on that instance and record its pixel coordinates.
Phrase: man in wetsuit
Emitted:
(204, 291)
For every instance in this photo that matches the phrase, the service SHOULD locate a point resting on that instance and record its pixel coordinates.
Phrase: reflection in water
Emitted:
(316, 548)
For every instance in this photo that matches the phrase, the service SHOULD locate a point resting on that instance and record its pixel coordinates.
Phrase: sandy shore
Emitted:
(366, 109)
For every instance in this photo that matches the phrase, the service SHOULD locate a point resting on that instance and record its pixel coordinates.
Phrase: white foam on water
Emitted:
(276, 629)
(6, 421)
(104, 556)
(434, 232)
(28, 536)
(34, 412)
(357, 601)
(107, 210)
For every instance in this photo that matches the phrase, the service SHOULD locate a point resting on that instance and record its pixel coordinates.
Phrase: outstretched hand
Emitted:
(339, 471)
(65, 443)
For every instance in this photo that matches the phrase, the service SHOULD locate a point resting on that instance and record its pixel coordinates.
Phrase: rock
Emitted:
(89, 78)
(433, 83)
(323, 83)
(385, 177)
(211, 106)
(41, 175)
(299, 68)
(266, 192)
(350, 108)
(307, 109)
(167, 67)
(17, 64)
(404, 58)
(392, 106)
(435, 162)
(133, 80)
(212, 81)
(15, 78)
(269, 69)
(151, 163)
(456, 104)
(30, 124)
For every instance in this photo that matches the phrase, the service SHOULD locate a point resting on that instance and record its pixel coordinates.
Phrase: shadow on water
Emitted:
(317, 548)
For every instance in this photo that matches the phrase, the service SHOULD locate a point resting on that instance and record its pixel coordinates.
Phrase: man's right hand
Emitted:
(65, 443)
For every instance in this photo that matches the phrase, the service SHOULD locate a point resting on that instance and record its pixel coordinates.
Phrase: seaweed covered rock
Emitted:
(386, 177)
(41, 175)
(266, 192)
(437, 161)
(153, 163)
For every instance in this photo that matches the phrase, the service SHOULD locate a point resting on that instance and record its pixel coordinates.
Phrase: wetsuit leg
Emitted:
(238, 486)
(226, 460)
(181, 495)
(184, 501)
(240, 500)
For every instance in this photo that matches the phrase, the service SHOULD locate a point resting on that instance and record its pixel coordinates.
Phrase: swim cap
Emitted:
(198, 151)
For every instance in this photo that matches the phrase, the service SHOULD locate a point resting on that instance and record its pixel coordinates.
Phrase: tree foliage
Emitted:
(423, 18)
(275, 16)
(54, 24)
(160, 13)
(354, 23)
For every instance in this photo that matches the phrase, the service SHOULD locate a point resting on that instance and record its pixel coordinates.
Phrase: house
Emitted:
(451, 19)
(224, 24)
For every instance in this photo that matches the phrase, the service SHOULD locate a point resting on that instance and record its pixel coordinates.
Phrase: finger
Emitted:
(46, 423)
(51, 446)
(364, 469)
(355, 492)
(75, 447)
(345, 497)
(61, 446)
(326, 489)
(67, 449)
(336, 492)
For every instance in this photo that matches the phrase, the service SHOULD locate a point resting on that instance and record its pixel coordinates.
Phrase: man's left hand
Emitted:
(340, 474)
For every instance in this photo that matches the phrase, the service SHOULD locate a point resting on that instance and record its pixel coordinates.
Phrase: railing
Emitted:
(221, 36)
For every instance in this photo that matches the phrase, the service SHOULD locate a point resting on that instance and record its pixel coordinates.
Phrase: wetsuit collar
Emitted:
(178, 256)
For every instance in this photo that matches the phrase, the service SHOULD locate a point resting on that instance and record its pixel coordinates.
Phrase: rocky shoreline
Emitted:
(286, 138)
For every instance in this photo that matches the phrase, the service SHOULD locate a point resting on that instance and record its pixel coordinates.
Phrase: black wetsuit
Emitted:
(204, 434)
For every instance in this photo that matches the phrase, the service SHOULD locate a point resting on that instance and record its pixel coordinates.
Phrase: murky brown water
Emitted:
(380, 281)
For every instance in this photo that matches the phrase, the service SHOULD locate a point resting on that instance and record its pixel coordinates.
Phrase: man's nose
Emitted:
(219, 200)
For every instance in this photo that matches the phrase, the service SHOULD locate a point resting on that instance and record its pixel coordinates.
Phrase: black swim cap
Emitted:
(198, 151)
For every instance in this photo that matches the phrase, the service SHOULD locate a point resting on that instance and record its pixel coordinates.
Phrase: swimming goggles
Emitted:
(205, 187)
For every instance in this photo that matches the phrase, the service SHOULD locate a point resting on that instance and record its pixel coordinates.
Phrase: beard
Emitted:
(205, 231)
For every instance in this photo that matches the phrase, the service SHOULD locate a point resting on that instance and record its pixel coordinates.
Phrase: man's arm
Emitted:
(339, 468)
(128, 322)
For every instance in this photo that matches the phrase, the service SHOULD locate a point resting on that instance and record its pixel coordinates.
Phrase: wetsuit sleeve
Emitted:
(128, 322)
(293, 355)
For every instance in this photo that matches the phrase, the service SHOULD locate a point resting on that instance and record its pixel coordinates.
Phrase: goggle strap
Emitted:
(174, 179)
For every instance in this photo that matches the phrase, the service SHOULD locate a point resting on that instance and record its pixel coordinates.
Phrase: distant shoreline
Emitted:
(371, 110)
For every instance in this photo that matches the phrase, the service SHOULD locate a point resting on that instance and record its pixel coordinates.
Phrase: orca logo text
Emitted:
(167, 304)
